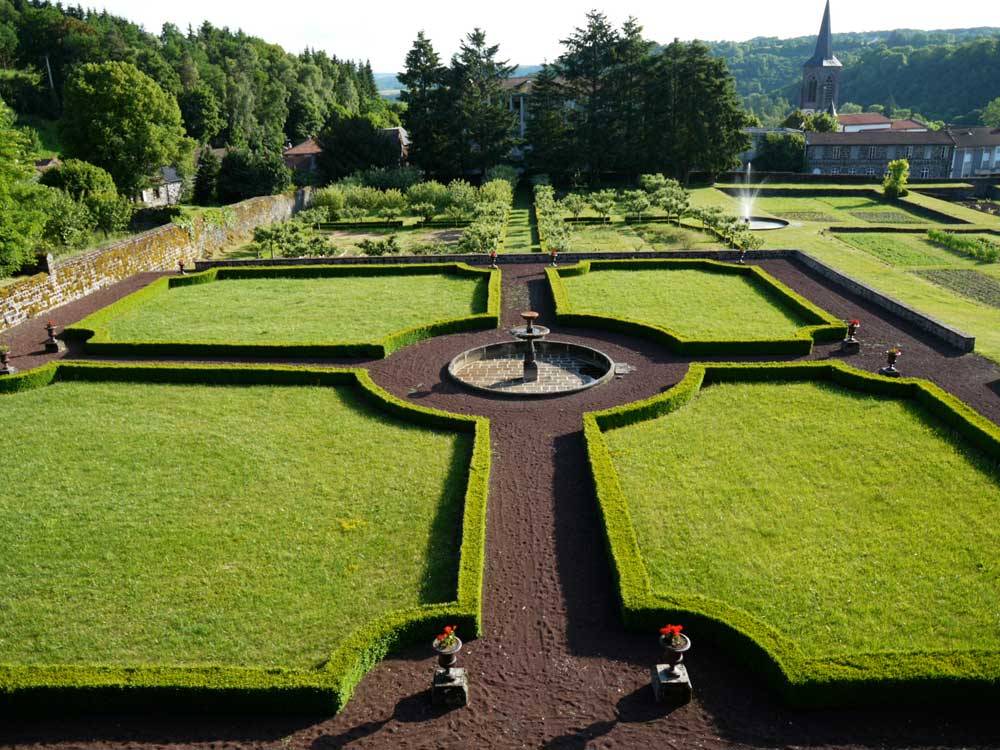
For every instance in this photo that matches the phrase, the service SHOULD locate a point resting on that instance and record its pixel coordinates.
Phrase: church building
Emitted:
(821, 73)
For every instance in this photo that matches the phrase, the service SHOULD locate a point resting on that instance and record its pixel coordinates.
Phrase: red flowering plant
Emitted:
(671, 635)
(855, 322)
(447, 639)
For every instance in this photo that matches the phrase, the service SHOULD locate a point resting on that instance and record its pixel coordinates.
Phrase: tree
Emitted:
(119, 118)
(604, 202)
(206, 180)
(781, 152)
(991, 115)
(548, 129)
(897, 178)
(586, 66)
(201, 112)
(22, 219)
(636, 203)
(352, 144)
(80, 179)
(247, 174)
(428, 107)
(305, 115)
(483, 117)
(628, 79)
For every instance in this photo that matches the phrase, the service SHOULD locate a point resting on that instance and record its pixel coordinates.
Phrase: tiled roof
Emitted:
(908, 125)
(881, 138)
(975, 137)
(865, 118)
(519, 83)
(308, 147)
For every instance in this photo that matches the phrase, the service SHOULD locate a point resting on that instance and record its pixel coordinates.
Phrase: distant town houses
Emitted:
(304, 157)
(868, 152)
(977, 152)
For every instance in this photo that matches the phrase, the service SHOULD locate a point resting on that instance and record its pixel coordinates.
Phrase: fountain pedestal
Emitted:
(529, 334)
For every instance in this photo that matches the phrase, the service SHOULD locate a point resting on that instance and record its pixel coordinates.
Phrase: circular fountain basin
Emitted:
(562, 369)
(761, 224)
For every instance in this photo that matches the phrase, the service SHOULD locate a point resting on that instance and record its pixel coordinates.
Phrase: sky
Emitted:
(529, 31)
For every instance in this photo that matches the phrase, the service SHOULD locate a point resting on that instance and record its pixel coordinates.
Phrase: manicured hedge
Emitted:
(825, 326)
(210, 688)
(92, 329)
(863, 679)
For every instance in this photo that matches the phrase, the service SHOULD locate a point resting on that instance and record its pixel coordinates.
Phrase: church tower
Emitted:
(821, 74)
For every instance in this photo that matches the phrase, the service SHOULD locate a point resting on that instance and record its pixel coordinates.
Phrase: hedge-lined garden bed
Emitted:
(766, 513)
(300, 311)
(176, 542)
(695, 307)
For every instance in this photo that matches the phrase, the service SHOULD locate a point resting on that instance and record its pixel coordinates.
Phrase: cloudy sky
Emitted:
(529, 30)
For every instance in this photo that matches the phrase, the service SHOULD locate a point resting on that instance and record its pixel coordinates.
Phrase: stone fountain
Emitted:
(748, 195)
(531, 366)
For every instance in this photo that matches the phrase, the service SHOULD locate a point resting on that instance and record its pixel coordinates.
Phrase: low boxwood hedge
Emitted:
(92, 328)
(825, 327)
(863, 679)
(214, 688)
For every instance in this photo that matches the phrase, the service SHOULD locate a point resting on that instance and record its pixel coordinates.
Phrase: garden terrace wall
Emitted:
(43, 689)
(159, 249)
(865, 679)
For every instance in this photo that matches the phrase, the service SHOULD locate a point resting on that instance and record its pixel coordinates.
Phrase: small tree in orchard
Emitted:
(574, 204)
(674, 200)
(897, 178)
(652, 183)
(604, 202)
(636, 203)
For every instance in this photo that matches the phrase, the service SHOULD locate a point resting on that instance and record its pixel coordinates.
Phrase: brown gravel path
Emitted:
(555, 668)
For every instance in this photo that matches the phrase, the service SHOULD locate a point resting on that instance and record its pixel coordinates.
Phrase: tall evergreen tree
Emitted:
(628, 81)
(586, 66)
(427, 108)
(548, 126)
(483, 115)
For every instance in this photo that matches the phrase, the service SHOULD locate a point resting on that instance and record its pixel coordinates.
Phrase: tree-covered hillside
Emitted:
(232, 88)
(944, 75)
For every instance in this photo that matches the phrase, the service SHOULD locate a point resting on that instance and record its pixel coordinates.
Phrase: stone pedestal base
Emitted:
(450, 688)
(889, 372)
(54, 347)
(8, 370)
(671, 686)
(850, 347)
(530, 372)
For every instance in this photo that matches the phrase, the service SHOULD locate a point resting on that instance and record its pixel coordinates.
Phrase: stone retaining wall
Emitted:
(159, 249)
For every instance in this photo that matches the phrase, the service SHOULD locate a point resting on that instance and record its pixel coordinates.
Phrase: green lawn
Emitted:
(693, 303)
(190, 525)
(884, 273)
(345, 309)
(849, 523)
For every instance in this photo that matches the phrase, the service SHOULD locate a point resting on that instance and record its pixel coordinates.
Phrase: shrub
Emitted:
(80, 180)
(503, 172)
(431, 192)
(496, 191)
(290, 240)
(393, 199)
(70, 222)
(673, 199)
(652, 183)
(248, 174)
(463, 195)
(897, 179)
(426, 211)
(110, 213)
(389, 178)
(388, 246)
(365, 198)
(331, 198)
(977, 248)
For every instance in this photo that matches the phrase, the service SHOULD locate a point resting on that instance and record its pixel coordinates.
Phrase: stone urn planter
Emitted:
(5, 366)
(851, 345)
(673, 652)
(448, 655)
(891, 357)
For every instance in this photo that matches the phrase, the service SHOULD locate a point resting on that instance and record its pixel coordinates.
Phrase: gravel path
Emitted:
(555, 668)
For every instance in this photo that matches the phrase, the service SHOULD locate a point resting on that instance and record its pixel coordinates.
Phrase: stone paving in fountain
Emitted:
(556, 373)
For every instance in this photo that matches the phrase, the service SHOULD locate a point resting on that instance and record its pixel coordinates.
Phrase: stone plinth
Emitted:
(450, 688)
(850, 347)
(671, 686)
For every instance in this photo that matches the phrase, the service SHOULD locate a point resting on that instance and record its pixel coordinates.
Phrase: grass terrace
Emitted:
(707, 306)
(323, 311)
(845, 561)
(239, 519)
(893, 263)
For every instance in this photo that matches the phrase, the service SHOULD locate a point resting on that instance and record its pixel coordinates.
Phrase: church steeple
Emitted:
(821, 73)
